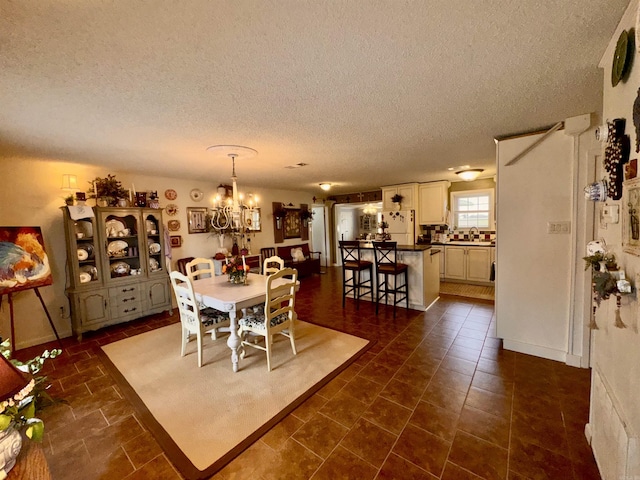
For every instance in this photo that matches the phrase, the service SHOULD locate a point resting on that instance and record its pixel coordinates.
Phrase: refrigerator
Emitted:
(401, 226)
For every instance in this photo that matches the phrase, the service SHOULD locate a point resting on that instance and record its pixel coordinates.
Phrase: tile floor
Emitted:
(435, 398)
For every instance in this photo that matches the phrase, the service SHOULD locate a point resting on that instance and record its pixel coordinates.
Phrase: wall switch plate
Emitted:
(558, 227)
(611, 213)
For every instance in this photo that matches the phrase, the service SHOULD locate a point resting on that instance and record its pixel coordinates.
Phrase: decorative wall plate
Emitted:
(173, 225)
(196, 194)
(621, 59)
(171, 209)
(170, 194)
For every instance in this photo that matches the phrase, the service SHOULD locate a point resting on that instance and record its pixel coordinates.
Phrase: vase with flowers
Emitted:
(22, 395)
(236, 269)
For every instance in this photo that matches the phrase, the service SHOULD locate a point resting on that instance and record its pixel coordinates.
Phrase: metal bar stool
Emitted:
(351, 262)
(387, 265)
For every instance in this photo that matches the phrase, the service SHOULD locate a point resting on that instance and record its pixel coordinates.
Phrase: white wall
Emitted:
(31, 196)
(616, 352)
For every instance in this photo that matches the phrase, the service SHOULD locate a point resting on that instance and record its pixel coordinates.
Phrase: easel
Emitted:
(44, 306)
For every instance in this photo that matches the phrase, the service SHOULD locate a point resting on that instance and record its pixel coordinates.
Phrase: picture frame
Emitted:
(292, 224)
(175, 241)
(25, 261)
(631, 217)
(197, 217)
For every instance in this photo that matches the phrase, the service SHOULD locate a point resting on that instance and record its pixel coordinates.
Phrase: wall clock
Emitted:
(173, 225)
(196, 194)
(171, 209)
(170, 194)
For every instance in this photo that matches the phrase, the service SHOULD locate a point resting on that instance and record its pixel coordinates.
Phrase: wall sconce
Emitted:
(470, 175)
(69, 182)
(325, 186)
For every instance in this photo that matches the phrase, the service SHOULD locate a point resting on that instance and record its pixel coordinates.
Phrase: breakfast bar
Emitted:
(424, 272)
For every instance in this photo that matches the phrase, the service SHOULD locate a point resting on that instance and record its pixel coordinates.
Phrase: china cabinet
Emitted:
(116, 266)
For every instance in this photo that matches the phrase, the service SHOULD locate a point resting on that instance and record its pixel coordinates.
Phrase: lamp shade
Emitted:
(470, 175)
(12, 380)
(69, 182)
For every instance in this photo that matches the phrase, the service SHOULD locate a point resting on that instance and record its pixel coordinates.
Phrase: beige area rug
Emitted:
(466, 290)
(204, 417)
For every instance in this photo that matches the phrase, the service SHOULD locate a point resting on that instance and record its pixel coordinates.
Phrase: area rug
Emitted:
(204, 417)
(467, 290)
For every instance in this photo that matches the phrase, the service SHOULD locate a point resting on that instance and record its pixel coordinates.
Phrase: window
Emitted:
(472, 208)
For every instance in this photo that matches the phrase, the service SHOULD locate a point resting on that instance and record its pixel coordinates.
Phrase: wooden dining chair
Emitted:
(181, 264)
(200, 268)
(272, 265)
(267, 252)
(278, 314)
(192, 319)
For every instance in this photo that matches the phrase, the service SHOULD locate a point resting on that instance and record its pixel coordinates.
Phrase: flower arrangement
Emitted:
(397, 198)
(107, 187)
(19, 411)
(236, 269)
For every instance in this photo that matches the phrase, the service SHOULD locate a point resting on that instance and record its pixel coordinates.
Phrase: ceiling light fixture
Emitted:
(228, 213)
(470, 175)
(325, 186)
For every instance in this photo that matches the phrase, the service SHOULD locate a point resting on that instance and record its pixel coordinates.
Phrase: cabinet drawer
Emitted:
(126, 308)
(131, 290)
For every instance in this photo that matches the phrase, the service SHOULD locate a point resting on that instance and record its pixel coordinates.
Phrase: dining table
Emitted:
(219, 293)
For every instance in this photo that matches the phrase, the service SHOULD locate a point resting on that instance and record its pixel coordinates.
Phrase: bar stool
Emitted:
(351, 262)
(386, 265)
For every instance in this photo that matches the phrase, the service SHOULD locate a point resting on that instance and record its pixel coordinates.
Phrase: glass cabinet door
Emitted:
(83, 241)
(122, 245)
(154, 241)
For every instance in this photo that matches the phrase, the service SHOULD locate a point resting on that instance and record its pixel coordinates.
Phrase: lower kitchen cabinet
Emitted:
(469, 264)
(91, 309)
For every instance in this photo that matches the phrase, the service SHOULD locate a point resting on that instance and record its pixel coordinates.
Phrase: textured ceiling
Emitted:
(367, 93)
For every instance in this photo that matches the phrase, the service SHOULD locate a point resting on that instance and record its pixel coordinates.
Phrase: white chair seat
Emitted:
(256, 321)
(211, 316)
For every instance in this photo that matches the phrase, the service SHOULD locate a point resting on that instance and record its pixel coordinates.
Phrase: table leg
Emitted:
(233, 342)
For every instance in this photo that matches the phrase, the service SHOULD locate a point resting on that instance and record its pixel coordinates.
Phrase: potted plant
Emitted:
(306, 216)
(68, 200)
(18, 410)
(397, 200)
(279, 215)
(109, 189)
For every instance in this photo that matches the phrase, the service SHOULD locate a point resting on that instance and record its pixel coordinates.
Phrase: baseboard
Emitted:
(574, 361)
(535, 350)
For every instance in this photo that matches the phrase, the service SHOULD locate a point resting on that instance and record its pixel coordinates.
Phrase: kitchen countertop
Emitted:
(401, 248)
(465, 244)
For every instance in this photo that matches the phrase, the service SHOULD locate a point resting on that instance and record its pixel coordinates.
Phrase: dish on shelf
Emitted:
(85, 228)
(82, 254)
(89, 270)
(120, 269)
(151, 227)
(84, 277)
(154, 265)
(154, 248)
(117, 248)
(114, 227)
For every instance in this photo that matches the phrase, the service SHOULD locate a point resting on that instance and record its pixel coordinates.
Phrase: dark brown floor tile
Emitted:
(492, 428)
(378, 373)
(489, 402)
(310, 407)
(470, 343)
(405, 394)
(77, 430)
(292, 461)
(492, 383)
(453, 380)
(70, 461)
(387, 414)
(464, 353)
(115, 464)
(369, 442)
(142, 449)
(549, 434)
(479, 456)
(454, 472)
(280, 433)
(473, 333)
(536, 462)
(444, 397)
(113, 436)
(504, 369)
(422, 448)
(344, 409)
(157, 469)
(249, 464)
(436, 420)
(459, 365)
(117, 411)
(320, 435)
(362, 389)
(397, 468)
(418, 375)
(344, 465)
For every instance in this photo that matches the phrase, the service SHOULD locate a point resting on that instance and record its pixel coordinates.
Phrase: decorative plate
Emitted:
(90, 270)
(113, 227)
(621, 59)
(117, 248)
(154, 248)
(120, 269)
(85, 227)
(171, 209)
(196, 194)
(154, 265)
(170, 194)
(173, 225)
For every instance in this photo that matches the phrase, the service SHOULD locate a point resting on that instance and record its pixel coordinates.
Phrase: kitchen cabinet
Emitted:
(115, 257)
(469, 264)
(409, 193)
(433, 203)
(442, 263)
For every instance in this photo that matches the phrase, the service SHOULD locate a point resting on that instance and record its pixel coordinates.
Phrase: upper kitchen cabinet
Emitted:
(433, 202)
(408, 192)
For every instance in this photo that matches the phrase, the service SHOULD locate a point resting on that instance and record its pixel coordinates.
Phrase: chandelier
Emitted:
(231, 213)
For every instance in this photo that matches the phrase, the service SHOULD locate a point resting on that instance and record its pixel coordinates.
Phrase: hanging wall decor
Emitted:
(616, 154)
